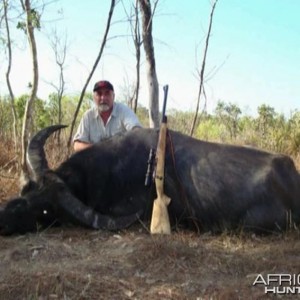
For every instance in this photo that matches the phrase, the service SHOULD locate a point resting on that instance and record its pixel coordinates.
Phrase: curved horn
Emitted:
(87, 216)
(35, 153)
(84, 215)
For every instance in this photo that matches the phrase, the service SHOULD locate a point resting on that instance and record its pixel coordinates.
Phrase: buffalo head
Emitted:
(46, 199)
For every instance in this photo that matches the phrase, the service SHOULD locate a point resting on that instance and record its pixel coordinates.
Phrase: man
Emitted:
(106, 119)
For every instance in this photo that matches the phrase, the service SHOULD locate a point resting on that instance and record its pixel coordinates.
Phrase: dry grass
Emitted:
(76, 263)
(82, 264)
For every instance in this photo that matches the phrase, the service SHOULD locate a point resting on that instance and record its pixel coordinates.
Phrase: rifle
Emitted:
(160, 222)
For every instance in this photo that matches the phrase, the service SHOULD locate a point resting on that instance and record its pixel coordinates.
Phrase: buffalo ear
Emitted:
(28, 187)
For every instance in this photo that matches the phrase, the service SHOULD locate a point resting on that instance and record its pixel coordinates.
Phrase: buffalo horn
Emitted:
(87, 216)
(35, 154)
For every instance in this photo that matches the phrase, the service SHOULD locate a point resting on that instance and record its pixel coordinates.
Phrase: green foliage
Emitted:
(266, 119)
(210, 129)
(46, 112)
(69, 105)
(42, 115)
(143, 115)
(6, 118)
(180, 121)
(228, 115)
(293, 128)
(248, 134)
(20, 105)
(22, 26)
(35, 19)
(269, 130)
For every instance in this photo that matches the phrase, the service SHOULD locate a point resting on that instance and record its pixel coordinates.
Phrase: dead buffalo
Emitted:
(212, 186)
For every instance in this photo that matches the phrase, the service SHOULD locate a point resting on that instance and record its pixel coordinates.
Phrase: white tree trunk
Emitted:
(145, 8)
(30, 103)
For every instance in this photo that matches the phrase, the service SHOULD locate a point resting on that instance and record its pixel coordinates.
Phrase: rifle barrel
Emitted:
(164, 118)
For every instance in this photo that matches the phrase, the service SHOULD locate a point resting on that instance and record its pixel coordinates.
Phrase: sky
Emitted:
(253, 56)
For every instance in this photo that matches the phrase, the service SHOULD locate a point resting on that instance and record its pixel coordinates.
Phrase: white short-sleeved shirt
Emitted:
(92, 129)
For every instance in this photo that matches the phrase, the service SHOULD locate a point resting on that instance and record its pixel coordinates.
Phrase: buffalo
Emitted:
(213, 187)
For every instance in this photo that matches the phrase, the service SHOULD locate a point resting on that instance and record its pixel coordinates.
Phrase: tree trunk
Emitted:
(7, 75)
(30, 103)
(137, 44)
(145, 8)
(201, 87)
(59, 46)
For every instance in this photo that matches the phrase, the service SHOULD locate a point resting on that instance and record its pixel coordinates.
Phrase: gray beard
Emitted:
(103, 108)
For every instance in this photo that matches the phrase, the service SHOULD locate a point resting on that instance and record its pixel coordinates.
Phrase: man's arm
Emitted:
(81, 139)
(78, 145)
(130, 119)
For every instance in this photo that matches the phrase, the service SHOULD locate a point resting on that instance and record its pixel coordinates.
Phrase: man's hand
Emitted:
(78, 146)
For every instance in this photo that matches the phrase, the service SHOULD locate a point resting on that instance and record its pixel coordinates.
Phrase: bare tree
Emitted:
(7, 74)
(137, 44)
(201, 74)
(111, 10)
(147, 17)
(32, 21)
(59, 46)
(133, 19)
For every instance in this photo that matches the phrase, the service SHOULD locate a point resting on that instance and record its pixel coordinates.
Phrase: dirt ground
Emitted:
(76, 263)
(82, 264)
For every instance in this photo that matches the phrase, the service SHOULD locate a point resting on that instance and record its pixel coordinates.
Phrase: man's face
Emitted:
(104, 99)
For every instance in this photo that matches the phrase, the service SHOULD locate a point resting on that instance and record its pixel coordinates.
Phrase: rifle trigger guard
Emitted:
(159, 177)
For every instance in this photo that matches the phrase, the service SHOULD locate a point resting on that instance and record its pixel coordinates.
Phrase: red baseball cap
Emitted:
(103, 84)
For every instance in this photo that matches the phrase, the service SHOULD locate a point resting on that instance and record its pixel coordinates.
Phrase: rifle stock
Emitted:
(160, 222)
